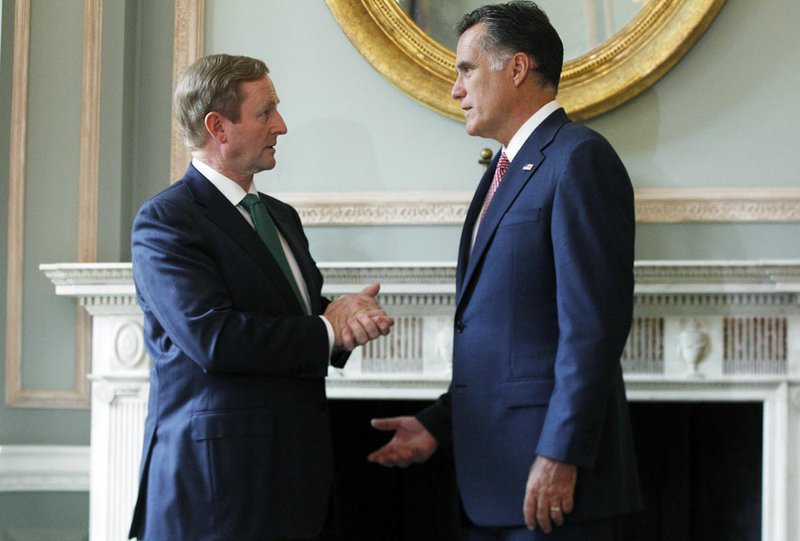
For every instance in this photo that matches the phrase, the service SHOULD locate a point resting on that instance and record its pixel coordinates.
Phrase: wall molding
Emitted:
(379, 208)
(44, 468)
(89, 163)
(187, 47)
(653, 205)
(87, 227)
(705, 205)
(16, 201)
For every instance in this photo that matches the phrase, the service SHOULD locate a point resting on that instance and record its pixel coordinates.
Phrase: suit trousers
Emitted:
(586, 530)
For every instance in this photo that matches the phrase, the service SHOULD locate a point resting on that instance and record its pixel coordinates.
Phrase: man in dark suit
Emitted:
(237, 437)
(536, 411)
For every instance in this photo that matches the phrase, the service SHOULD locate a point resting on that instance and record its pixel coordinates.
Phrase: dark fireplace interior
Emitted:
(700, 469)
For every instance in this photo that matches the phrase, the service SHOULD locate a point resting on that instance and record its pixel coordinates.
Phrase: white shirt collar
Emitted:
(230, 189)
(527, 128)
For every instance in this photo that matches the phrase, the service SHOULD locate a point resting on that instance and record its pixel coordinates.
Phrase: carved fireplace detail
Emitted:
(702, 331)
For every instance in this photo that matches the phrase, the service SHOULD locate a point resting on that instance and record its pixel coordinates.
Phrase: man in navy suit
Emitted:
(237, 438)
(536, 411)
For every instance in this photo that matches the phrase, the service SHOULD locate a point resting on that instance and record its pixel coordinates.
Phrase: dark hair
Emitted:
(519, 27)
(212, 84)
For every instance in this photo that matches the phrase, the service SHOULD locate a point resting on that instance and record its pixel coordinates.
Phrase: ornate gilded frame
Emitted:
(595, 82)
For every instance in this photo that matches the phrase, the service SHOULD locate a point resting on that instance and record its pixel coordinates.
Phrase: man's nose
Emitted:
(457, 92)
(281, 127)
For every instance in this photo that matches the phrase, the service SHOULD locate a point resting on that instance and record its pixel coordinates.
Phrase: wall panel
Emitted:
(53, 194)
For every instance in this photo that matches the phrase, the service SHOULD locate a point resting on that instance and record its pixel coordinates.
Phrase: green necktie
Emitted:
(266, 229)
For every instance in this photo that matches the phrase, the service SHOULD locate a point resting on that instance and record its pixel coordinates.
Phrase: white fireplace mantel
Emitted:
(702, 331)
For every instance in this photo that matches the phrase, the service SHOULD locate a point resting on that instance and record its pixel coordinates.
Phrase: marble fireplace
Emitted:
(703, 331)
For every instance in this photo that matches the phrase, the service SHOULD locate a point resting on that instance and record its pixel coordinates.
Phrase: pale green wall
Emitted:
(727, 115)
(151, 107)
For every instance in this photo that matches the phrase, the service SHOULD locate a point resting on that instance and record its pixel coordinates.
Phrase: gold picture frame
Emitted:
(593, 83)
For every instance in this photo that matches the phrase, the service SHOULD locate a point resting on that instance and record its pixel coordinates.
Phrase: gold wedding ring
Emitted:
(555, 508)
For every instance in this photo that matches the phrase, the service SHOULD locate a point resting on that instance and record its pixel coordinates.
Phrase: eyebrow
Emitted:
(270, 104)
(464, 64)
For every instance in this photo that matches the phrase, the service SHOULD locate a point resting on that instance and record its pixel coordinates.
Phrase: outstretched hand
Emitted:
(358, 318)
(412, 443)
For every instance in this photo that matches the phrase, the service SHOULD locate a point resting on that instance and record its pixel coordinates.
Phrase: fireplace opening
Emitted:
(700, 466)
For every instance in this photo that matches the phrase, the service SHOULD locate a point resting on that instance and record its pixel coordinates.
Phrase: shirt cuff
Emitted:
(331, 337)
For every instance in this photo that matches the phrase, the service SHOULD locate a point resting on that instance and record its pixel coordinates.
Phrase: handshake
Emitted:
(357, 318)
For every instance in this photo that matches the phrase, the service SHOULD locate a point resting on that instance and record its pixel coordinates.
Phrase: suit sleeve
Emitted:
(189, 305)
(592, 237)
(436, 419)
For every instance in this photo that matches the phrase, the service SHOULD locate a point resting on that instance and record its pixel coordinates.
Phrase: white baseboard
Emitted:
(44, 468)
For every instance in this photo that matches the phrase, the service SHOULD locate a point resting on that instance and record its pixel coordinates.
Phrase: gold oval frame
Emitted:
(591, 84)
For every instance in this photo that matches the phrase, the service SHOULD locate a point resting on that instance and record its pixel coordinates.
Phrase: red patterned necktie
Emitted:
(502, 166)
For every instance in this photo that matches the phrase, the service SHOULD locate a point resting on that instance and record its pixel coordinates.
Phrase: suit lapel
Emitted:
(469, 224)
(220, 211)
(286, 225)
(520, 172)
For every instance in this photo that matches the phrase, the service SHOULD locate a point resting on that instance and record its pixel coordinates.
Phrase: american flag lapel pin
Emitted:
(527, 167)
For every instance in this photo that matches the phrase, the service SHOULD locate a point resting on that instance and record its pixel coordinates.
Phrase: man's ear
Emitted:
(522, 65)
(215, 126)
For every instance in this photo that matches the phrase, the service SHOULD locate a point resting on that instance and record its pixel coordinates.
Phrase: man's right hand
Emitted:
(411, 444)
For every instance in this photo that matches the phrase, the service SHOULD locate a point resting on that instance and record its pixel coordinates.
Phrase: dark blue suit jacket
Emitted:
(543, 309)
(237, 439)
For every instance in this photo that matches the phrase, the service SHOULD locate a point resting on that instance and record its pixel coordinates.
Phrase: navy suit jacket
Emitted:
(543, 309)
(237, 438)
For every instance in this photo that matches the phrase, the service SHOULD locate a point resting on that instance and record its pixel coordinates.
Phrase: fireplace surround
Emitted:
(703, 332)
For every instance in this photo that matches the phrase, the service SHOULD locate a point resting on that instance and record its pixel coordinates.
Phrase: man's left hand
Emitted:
(549, 493)
(357, 318)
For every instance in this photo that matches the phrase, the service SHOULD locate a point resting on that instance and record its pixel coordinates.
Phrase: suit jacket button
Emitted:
(459, 327)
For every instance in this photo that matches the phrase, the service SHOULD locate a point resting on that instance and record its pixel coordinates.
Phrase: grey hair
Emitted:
(212, 84)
